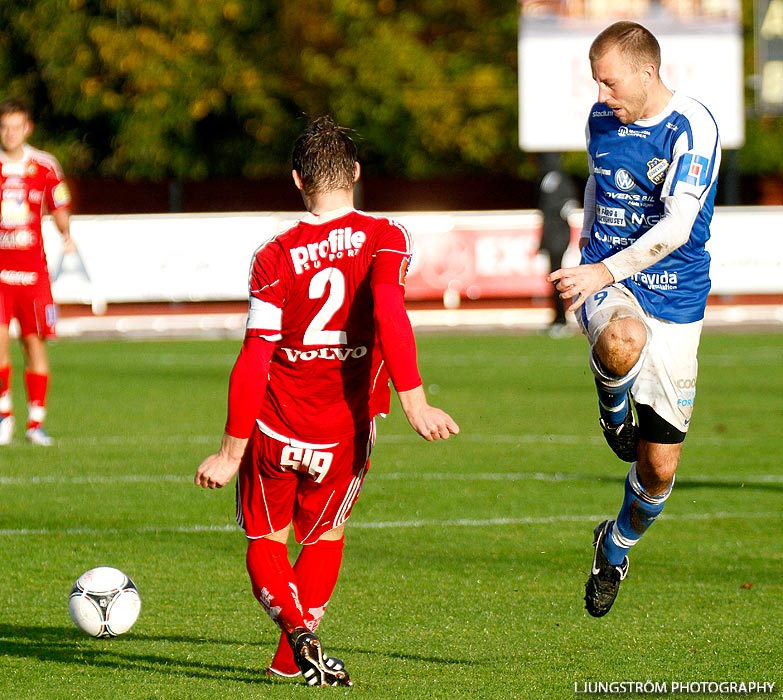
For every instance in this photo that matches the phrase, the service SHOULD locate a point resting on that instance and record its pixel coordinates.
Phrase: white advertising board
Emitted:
(142, 258)
(746, 247)
(701, 56)
(192, 258)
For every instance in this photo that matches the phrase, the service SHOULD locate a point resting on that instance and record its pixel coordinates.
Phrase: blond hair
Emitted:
(636, 44)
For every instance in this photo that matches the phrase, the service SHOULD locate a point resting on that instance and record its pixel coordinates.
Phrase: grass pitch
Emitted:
(465, 561)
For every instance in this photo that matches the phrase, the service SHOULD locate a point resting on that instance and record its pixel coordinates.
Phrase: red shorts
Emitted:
(30, 304)
(313, 487)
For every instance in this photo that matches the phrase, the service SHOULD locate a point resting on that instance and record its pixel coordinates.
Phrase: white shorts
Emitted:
(667, 380)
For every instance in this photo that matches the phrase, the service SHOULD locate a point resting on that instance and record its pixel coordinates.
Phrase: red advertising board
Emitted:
(491, 255)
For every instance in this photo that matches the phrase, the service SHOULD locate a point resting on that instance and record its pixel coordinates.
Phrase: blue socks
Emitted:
(613, 401)
(638, 512)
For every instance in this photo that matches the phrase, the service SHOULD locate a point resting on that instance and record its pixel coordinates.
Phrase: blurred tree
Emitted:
(763, 150)
(147, 89)
(429, 84)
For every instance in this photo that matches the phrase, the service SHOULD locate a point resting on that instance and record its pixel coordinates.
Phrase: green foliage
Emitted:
(155, 89)
(763, 150)
(762, 153)
(145, 89)
(431, 86)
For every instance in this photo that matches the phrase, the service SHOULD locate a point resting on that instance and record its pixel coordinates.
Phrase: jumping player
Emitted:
(326, 323)
(642, 287)
(31, 184)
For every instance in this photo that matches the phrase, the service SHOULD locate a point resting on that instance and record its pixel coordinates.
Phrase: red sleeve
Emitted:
(247, 386)
(58, 196)
(398, 346)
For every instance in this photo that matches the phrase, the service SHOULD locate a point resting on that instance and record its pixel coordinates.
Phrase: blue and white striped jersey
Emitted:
(636, 167)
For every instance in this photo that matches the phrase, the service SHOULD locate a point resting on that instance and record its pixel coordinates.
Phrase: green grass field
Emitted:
(465, 561)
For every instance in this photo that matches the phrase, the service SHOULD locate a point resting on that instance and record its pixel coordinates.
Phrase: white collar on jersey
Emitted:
(311, 218)
(665, 113)
(16, 166)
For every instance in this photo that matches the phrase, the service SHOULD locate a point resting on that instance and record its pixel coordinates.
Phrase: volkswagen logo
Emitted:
(624, 180)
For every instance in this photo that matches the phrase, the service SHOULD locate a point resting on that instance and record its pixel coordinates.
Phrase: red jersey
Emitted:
(311, 292)
(29, 188)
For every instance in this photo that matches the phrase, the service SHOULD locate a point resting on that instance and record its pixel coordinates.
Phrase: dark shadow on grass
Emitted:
(439, 660)
(686, 482)
(346, 652)
(67, 646)
(690, 483)
(62, 645)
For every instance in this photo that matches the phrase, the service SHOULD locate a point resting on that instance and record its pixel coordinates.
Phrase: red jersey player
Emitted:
(326, 323)
(31, 184)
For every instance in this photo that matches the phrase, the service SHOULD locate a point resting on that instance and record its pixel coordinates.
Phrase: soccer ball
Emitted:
(104, 602)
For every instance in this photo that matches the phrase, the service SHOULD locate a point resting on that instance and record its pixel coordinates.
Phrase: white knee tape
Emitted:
(638, 489)
(610, 379)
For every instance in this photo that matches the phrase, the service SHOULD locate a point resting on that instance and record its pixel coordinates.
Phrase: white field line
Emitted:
(96, 479)
(379, 525)
(395, 438)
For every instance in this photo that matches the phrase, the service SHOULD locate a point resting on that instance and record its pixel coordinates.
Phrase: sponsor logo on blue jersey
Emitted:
(638, 133)
(624, 180)
(610, 216)
(663, 280)
(656, 170)
(694, 169)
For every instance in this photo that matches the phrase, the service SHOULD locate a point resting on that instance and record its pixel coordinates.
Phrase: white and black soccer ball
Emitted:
(104, 602)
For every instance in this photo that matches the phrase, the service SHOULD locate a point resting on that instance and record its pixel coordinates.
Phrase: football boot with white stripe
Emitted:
(604, 583)
(317, 669)
(38, 436)
(6, 430)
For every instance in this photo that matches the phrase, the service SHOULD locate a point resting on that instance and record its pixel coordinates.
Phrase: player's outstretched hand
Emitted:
(428, 421)
(218, 469)
(68, 245)
(434, 424)
(578, 283)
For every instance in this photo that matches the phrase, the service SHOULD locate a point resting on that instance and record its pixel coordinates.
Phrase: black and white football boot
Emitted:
(317, 669)
(604, 582)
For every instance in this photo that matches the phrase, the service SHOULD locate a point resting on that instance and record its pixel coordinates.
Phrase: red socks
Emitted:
(316, 572)
(273, 582)
(37, 386)
(5, 391)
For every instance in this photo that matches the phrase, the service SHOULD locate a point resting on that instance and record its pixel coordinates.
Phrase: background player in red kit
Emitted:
(326, 323)
(31, 184)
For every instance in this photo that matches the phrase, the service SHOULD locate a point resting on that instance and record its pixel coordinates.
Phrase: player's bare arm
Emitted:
(429, 422)
(578, 283)
(62, 219)
(218, 469)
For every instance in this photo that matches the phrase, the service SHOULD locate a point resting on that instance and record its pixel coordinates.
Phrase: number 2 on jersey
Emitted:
(316, 333)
